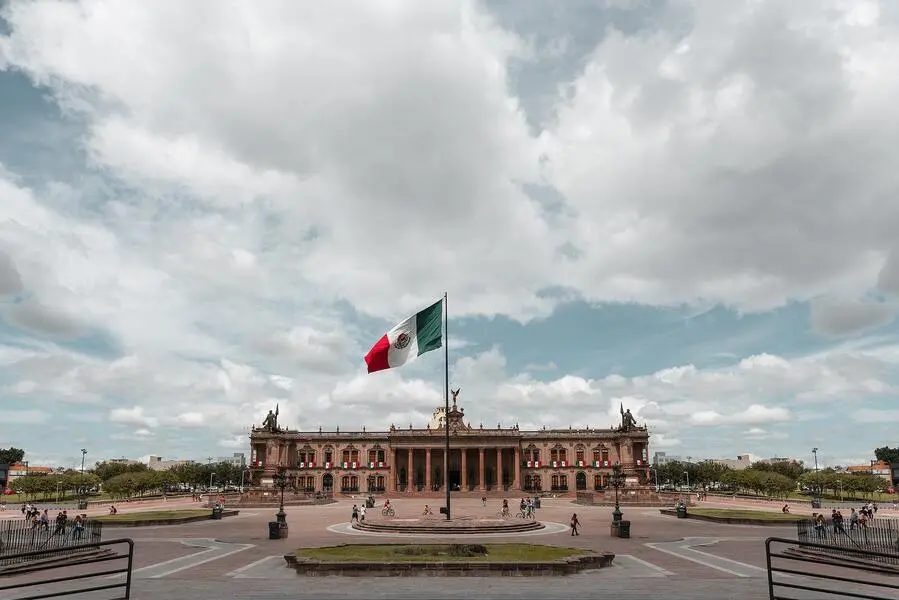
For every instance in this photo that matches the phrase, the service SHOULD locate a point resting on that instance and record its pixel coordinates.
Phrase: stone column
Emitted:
(427, 469)
(409, 471)
(392, 471)
(517, 482)
(481, 464)
(463, 461)
(499, 468)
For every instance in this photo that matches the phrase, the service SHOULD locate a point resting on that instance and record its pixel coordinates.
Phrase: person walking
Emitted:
(575, 524)
(355, 514)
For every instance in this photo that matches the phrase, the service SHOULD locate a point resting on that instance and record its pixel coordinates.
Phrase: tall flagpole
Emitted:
(446, 450)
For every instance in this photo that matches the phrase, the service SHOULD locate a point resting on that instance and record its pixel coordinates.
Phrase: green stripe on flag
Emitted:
(429, 327)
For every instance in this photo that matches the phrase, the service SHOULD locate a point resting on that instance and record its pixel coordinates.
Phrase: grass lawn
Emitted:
(761, 515)
(438, 552)
(153, 515)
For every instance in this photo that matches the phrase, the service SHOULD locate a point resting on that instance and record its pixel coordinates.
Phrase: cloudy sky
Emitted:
(688, 207)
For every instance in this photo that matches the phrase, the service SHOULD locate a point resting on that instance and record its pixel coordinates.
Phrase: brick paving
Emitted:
(212, 559)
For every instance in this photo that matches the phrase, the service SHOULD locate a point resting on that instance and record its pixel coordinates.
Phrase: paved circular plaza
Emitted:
(234, 558)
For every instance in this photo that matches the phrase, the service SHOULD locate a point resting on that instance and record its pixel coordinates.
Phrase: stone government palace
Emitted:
(481, 461)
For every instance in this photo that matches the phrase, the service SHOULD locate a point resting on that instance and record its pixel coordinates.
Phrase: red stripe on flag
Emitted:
(376, 359)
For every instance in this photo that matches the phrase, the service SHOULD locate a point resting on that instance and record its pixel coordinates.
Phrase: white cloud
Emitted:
(132, 416)
(24, 417)
(254, 193)
(755, 414)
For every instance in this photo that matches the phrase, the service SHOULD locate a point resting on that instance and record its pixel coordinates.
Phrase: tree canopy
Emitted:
(11, 455)
(887, 454)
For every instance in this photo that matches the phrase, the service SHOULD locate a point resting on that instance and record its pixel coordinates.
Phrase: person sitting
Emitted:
(113, 510)
(785, 509)
(427, 510)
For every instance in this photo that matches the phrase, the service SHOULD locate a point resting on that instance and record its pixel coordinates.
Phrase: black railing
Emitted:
(34, 578)
(18, 536)
(881, 535)
(811, 567)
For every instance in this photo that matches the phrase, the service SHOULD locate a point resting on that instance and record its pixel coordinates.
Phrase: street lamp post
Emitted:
(687, 474)
(817, 502)
(281, 482)
(616, 481)
(656, 471)
(243, 473)
(211, 475)
(81, 487)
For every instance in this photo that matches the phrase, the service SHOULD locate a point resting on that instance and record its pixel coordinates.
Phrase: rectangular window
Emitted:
(563, 454)
(354, 456)
(579, 454)
(346, 456)
(553, 455)
(380, 456)
(597, 456)
(372, 456)
(605, 454)
(329, 456)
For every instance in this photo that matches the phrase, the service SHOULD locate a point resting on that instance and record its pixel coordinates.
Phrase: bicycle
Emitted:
(388, 512)
(504, 514)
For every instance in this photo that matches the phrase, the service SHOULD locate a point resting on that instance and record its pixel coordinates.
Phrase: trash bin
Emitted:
(217, 512)
(816, 504)
(615, 529)
(624, 529)
(537, 502)
(681, 512)
(82, 505)
(277, 530)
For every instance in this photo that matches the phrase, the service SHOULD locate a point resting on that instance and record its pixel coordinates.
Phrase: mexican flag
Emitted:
(345, 465)
(420, 333)
(564, 463)
(380, 464)
(302, 465)
(595, 463)
(310, 465)
(371, 465)
(327, 465)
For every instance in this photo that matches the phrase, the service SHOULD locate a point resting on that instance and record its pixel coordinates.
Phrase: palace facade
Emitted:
(481, 460)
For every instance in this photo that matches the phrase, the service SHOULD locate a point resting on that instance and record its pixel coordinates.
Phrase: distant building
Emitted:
(156, 463)
(22, 469)
(881, 469)
(4, 476)
(738, 464)
(660, 458)
(238, 459)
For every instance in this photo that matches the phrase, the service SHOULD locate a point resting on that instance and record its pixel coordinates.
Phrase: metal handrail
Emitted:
(774, 584)
(106, 573)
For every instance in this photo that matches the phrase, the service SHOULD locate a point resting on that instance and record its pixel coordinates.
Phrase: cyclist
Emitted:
(505, 507)
(427, 510)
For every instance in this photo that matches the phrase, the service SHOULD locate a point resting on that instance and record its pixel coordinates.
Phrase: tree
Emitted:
(788, 468)
(11, 455)
(883, 454)
(107, 470)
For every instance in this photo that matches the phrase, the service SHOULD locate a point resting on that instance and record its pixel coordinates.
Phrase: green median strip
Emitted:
(440, 553)
(154, 515)
(760, 515)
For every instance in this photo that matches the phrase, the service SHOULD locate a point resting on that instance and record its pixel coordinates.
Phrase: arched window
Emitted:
(580, 481)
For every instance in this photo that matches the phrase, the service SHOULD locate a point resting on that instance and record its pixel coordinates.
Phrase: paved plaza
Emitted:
(234, 558)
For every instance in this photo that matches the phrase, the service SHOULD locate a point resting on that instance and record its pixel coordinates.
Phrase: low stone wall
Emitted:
(172, 521)
(632, 497)
(569, 566)
(733, 521)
